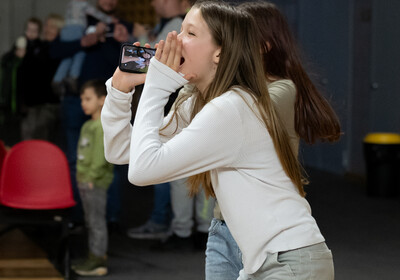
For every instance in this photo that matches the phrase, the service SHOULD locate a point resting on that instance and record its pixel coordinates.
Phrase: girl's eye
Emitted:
(191, 33)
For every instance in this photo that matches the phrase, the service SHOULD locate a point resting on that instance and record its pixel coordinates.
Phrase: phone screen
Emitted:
(135, 59)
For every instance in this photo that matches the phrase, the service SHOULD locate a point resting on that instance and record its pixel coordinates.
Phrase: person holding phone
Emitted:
(226, 137)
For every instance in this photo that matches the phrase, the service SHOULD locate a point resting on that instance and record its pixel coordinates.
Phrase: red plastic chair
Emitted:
(35, 188)
(3, 153)
(35, 175)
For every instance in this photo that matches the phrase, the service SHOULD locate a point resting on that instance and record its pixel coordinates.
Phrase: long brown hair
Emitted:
(240, 66)
(314, 117)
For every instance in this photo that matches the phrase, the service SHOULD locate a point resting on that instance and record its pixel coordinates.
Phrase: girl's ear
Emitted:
(216, 56)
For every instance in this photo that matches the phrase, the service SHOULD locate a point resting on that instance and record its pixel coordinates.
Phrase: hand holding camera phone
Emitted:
(134, 59)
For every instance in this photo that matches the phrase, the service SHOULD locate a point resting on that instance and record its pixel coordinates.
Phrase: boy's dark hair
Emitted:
(36, 21)
(98, 86)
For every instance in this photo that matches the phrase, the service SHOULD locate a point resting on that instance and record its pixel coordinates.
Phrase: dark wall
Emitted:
(352, 52)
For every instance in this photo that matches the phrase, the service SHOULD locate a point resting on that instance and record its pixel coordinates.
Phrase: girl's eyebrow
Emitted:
(188, 24)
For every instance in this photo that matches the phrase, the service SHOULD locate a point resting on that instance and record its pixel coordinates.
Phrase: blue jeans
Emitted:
(223, 256)
(70, 66)
(162, 212)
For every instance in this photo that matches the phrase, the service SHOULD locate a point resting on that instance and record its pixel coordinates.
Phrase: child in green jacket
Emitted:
(94, 176)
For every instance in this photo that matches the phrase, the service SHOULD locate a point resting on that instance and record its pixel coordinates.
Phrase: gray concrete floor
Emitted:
(363, 233)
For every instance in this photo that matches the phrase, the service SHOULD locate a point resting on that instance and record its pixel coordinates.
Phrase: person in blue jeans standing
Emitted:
(288, 83)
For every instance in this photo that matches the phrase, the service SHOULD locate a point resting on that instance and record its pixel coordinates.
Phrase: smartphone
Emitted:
(135, 59)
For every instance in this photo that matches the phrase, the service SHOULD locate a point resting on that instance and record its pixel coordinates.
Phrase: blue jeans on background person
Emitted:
(114, 191)
(223, 256)
(70, 66)
(162, 212)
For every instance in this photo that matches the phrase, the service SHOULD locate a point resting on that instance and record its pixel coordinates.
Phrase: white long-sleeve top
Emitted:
(260, 204)
(283, 94)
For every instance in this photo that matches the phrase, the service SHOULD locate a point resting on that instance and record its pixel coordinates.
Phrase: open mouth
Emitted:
(182, 60)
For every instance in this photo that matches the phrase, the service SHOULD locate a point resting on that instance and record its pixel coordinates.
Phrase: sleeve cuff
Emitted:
(172, 74)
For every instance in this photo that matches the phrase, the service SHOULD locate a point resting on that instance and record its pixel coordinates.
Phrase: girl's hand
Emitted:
(126, 82)
(169, 52)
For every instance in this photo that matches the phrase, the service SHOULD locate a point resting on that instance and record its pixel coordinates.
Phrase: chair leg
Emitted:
(65, 246)
(67, 262)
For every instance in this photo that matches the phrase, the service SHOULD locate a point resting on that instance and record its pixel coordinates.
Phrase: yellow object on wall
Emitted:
(382, 138)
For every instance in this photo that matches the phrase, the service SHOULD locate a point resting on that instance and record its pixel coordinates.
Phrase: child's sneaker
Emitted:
(92, 266)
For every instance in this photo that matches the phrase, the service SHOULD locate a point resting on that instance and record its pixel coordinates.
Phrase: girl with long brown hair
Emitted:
(227, 135)
(303, 110)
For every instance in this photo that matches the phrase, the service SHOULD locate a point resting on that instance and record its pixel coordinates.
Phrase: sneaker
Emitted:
(149, 230)
(175, 243)
(92, 266)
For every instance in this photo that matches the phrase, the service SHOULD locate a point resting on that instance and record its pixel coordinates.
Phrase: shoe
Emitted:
(200, 240)
(92, 266)
(175, 243)
(149, 230)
